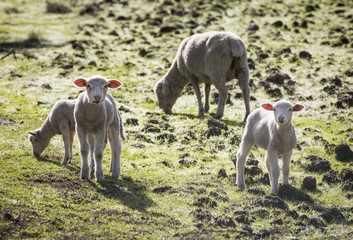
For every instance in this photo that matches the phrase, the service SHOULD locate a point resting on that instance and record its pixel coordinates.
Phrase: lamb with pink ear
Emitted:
(269, 127)
(98, 119)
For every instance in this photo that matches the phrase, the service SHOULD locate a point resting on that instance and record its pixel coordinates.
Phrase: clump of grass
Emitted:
(56, 7)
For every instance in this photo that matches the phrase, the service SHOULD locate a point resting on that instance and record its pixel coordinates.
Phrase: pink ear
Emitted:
(298, 107)
(267, 106)
(80, 82)
(32, 133)
(114, 83)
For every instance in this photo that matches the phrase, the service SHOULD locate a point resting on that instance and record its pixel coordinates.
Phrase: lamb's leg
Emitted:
(198, 95)
(242, 155)
(115, 148)
(268, 168)
(72, 135)
(100, 138)
(66, 137)
(274, 169)
(92, 144)
(285, 167)
(84, 149)
(207, 97)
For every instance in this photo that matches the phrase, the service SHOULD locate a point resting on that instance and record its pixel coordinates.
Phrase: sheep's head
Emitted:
(167, 95)
(97, 87)
(38, 142)
(282, 111)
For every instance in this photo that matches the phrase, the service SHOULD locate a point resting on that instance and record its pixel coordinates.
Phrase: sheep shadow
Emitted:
(131, 193)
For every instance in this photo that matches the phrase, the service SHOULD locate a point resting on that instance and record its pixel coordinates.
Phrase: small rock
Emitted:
(253, 27)
(309, 183)
(304, 54)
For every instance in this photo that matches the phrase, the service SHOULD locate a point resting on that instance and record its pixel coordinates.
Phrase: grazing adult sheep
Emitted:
(274, 132)
(212, 58)
(59, 121)
(97, 119)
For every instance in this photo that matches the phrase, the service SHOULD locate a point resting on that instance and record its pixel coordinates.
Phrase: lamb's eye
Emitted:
(105, 86)
(290, 109)
(89, 86)
(274, 109)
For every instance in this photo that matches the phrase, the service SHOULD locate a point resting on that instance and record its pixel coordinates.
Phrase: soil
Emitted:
(317, 164)
(309, 183)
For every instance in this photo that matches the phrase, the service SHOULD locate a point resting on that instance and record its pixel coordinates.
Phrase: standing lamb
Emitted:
(212, 58)
(97, 119)
(273, 132)
(59, 121)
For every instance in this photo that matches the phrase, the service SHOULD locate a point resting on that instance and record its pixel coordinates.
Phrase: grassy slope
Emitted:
(40, 198)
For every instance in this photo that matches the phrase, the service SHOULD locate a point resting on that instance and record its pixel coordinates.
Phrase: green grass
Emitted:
(169, 189)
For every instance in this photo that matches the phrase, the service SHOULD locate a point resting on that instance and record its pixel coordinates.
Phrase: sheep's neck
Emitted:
(93, 111)
(174, 76)
(47, 130)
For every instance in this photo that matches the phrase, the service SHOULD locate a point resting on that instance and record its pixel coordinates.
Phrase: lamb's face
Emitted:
(97, 87)
(97, 90)
(166, 96)
(283, 111)
(38, 142)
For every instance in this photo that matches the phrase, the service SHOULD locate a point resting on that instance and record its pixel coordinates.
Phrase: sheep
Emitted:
(211, 58)
(97, 119)
(59, 121)
(273, 132)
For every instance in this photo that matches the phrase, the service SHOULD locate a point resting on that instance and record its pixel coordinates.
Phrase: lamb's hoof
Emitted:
(84, 176)
(115, 175)
(217, 116)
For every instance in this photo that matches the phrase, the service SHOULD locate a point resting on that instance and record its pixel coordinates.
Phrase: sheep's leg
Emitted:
(84, 149)
(242, 155)
(198, 95)
(268, 168)
(98, 154)
(115, 148)
(222, 99)
(207, 97)
(243, 77)
(285, 167)
(66, 137)
(274, 169)
(92, 144)
(72, 135)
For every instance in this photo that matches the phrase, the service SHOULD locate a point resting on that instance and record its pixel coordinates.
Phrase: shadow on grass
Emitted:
(131, 193)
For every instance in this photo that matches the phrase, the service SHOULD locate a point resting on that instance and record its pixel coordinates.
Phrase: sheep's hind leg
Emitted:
(66, 138)
(115, 148)
(285, 167)
(207, 97)
(242, 155)
(223, 95)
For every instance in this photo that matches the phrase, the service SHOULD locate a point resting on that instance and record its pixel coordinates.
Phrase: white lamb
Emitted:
(97, 119)
(273, 132)
(212, 58)
(59, 121)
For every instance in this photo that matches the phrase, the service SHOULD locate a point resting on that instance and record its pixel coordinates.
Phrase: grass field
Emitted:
(178, 176)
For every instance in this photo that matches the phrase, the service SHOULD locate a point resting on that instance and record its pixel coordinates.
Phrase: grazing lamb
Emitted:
(97, 119)
(59, 121)
(211, 58)
(273, 132)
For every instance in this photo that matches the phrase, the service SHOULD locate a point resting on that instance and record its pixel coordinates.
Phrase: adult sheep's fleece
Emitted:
(212, 58)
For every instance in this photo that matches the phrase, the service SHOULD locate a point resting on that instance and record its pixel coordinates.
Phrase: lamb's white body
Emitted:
(59, 121)
(212, 58)
(98, 119)
(274, 132)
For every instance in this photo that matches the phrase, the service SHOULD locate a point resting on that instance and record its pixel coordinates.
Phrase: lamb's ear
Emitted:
(33, 133)
(298, 107)
(165, 90)
(267, 106)
(114, 83)
(80, 82)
